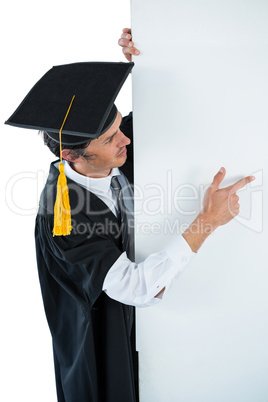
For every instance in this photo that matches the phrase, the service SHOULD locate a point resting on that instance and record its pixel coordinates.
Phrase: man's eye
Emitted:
(109, 140)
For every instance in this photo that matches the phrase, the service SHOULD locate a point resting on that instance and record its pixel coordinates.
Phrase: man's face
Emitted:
(107, 151)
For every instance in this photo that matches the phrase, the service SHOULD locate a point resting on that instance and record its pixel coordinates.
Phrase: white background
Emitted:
(35, 36)
(201, 104)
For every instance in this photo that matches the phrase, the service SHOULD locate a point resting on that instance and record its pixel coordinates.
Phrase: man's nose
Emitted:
(123, 140)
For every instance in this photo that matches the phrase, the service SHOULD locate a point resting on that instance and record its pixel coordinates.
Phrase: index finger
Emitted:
(240, 184)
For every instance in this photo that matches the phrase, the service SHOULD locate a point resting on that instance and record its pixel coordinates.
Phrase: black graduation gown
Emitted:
(90, 331)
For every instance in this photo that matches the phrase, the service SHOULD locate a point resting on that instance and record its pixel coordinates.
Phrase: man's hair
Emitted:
(54, 146)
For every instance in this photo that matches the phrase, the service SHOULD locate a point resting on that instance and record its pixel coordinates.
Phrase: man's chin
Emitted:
(121, 160)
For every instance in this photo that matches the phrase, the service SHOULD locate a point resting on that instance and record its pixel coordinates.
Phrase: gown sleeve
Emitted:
(78, 262)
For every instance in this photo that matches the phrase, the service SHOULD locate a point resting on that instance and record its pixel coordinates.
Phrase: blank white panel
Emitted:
(200, 101)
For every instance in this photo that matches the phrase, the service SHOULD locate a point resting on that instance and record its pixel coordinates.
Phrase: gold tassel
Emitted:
(62, 209)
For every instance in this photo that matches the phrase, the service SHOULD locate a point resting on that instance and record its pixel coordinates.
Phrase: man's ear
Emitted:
(69, 155)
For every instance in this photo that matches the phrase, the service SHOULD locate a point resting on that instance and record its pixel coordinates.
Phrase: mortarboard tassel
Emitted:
(62, 209)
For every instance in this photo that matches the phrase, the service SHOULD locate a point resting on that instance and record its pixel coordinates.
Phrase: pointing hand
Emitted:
(221, 205)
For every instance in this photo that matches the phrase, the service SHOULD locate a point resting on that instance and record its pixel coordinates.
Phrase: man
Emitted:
(89, 279)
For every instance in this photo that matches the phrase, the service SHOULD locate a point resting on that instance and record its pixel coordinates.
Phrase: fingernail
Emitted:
(222, 170)
(137, 52)
(130, 44)
(128, 36)
(253, 178)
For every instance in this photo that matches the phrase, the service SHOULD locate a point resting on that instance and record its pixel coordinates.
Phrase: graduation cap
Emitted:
(73, 103)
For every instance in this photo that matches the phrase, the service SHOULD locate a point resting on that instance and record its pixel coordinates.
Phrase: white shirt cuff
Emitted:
(180, 253)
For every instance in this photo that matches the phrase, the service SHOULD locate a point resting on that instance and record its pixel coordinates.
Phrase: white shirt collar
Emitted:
(100, 184)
